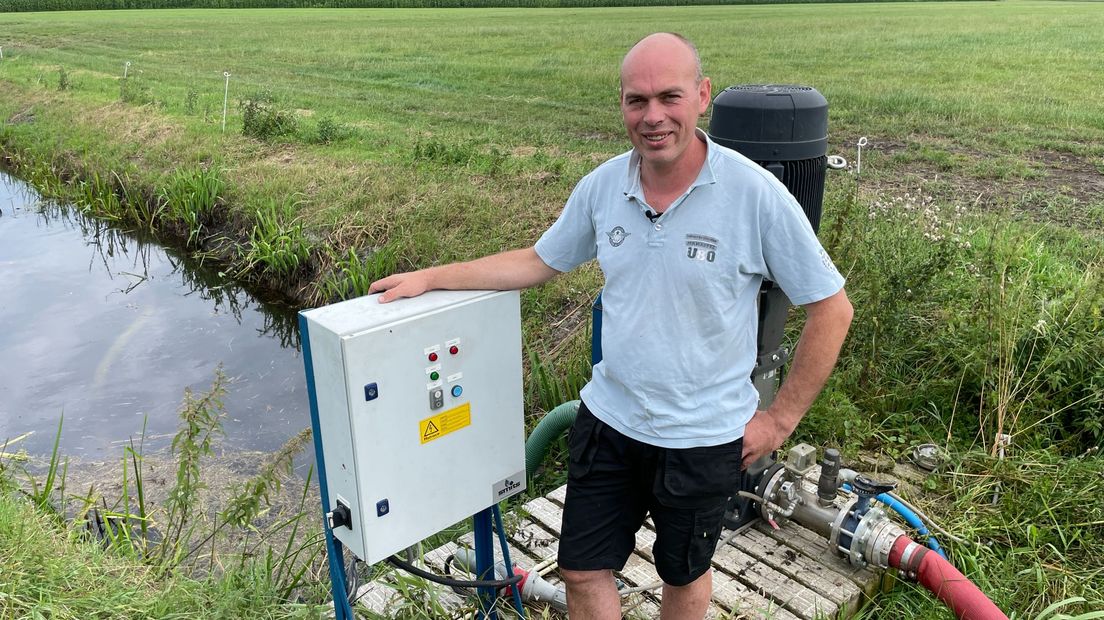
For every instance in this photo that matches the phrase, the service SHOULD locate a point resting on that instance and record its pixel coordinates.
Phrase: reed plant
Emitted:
(190, 196)
(351, 275)
(277, 244)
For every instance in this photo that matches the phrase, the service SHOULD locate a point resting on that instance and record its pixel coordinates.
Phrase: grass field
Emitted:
(363, 141)
(483, 119)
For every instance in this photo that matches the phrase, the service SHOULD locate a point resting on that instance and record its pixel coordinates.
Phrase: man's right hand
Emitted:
(401, 285)
(505, 271)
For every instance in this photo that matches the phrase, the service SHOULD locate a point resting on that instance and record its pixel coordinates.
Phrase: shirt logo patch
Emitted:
(701, 247)
(617, 236)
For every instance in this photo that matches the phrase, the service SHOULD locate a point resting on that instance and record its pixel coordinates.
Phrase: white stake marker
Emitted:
(225, 98)
(858, 157)
(126, 68)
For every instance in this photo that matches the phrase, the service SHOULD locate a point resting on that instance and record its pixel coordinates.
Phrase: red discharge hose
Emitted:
(944, 580)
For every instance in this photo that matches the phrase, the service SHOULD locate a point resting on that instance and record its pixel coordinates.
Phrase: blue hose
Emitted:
(909, 517)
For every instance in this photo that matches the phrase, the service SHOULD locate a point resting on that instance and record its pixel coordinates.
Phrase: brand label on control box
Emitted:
(508, 486)
(443, 423)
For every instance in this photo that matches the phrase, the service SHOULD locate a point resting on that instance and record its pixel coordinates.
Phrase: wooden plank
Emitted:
(740, 601)
(559, 495)
(535, 541)
(788, 574)
(811, 544)
(376, 597)
(381, 595)
(806, 571)
(792, 595)
(637, 571)
(731, 593)
(547, 514)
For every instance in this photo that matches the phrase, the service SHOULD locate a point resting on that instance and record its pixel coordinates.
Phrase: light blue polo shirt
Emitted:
(679, 307)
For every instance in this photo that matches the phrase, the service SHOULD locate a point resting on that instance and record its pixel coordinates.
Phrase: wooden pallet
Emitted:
(760, 572)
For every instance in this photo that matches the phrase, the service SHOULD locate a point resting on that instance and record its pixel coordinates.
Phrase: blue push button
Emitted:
(382, 508)
(457, 390)
(371, 392)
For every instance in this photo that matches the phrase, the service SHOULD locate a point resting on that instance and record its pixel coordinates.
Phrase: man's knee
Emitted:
(586, 578)
(680, 578)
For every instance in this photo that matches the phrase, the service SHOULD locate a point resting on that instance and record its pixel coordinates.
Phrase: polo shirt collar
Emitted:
(632, 187)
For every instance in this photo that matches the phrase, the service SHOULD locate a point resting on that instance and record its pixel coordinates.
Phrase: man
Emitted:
(685, 231)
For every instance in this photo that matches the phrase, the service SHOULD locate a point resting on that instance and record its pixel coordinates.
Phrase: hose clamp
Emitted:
(910, 559)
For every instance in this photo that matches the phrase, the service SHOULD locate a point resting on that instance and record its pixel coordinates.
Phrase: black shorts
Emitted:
(614, 482)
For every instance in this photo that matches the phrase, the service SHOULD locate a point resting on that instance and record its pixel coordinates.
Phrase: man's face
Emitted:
(661, 100)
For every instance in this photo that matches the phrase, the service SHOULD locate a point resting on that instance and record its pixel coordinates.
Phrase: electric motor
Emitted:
(783, 128)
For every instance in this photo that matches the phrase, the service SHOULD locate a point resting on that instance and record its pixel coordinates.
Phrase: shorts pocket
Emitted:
(582, 442)
(696, 476)
(703, 543)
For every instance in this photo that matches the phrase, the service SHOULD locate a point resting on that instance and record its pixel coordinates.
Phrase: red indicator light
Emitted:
(433, 357)
(454, 349)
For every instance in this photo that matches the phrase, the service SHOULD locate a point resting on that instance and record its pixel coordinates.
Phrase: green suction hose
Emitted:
(551, 426)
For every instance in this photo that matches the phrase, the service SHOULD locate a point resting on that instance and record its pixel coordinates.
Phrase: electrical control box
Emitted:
(419, 405)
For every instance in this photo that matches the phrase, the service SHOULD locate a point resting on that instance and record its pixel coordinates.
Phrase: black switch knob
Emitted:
(341, 516)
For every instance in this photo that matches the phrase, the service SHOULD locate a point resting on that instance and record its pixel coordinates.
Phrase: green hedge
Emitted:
(83, 5)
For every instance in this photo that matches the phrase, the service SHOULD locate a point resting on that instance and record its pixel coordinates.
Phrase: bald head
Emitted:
(663, 94)
(668, 48)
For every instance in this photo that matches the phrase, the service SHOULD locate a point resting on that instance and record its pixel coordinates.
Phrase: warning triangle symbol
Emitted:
(430, 431)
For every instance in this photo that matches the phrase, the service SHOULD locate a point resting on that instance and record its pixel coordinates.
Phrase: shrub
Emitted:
(330, 130)
(262, 119)
(191, 99)
(133, 90)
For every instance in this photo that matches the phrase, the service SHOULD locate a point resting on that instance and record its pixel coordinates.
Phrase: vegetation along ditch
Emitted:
(358, 143)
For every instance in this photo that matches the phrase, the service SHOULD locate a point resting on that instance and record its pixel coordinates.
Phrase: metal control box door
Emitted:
(420, 412)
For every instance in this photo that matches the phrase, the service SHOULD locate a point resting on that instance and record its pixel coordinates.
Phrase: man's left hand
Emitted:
(762, 435)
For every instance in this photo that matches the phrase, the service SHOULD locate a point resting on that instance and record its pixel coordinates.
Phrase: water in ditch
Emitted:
(108, 328)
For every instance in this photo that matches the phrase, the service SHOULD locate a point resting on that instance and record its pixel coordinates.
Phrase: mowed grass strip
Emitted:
(1028, 71)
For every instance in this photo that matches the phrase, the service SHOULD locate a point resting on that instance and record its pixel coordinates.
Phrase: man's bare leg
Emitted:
(688, 602)
(591, 595)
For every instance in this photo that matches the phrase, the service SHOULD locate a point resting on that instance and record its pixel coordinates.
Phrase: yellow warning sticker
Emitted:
(444, 423)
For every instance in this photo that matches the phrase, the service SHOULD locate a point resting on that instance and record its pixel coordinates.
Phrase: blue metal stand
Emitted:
(484, 561)
(334, 551)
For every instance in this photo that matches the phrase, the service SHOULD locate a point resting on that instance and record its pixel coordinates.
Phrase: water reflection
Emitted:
(108, 328)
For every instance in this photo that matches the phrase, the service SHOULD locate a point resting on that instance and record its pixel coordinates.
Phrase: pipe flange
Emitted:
(837, 525)
(767, 486)
(880, 542)
(865, 534)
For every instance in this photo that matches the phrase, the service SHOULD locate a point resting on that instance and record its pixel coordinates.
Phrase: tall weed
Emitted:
(200, 424)
(966, 325)
(133, 89)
